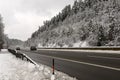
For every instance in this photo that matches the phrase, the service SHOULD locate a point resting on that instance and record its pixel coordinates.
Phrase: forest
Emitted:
(96, 22)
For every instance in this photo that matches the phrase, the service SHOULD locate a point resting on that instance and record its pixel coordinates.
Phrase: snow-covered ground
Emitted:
(80, 44)
(12, 68)
(75, 45)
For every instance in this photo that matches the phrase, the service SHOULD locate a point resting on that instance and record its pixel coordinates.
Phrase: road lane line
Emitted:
(104, 57)
(85, 63)
(98, 51)
(90, 64)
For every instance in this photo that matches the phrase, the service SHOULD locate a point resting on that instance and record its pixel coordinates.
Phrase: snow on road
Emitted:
(12, 68)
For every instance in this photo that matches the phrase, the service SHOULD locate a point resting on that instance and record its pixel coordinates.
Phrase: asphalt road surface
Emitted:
(80, 64)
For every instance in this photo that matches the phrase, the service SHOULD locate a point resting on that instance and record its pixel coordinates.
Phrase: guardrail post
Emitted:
(22, 57)
(53, 66)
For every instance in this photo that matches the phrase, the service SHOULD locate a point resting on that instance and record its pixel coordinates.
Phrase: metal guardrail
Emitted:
(24, 57)
(20, 55)
(88, 48)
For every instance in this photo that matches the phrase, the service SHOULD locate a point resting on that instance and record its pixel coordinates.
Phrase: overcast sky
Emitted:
(22, 17)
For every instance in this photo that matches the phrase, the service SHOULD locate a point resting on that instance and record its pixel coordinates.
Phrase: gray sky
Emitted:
(22, 17)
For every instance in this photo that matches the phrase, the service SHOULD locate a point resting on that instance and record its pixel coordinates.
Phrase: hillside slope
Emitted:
(12, 43)
(88, 23)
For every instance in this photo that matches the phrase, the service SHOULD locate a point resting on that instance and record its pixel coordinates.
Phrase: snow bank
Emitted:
(77, 44)
(3, 50)
(84, 44)
(12, 68)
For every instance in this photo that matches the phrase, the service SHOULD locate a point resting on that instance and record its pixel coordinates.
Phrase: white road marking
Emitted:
(85, 63)
(93, 51)
(91, 64)
(104, 57)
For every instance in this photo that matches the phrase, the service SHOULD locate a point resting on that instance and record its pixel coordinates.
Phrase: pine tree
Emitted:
(111, 34)
(1, 33)
(75, 7)
(65, 12)
(101, 37)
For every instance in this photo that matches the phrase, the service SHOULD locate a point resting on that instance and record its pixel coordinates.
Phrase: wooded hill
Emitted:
(95, 21)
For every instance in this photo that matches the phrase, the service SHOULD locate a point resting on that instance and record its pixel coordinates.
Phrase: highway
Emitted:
(84, 65)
